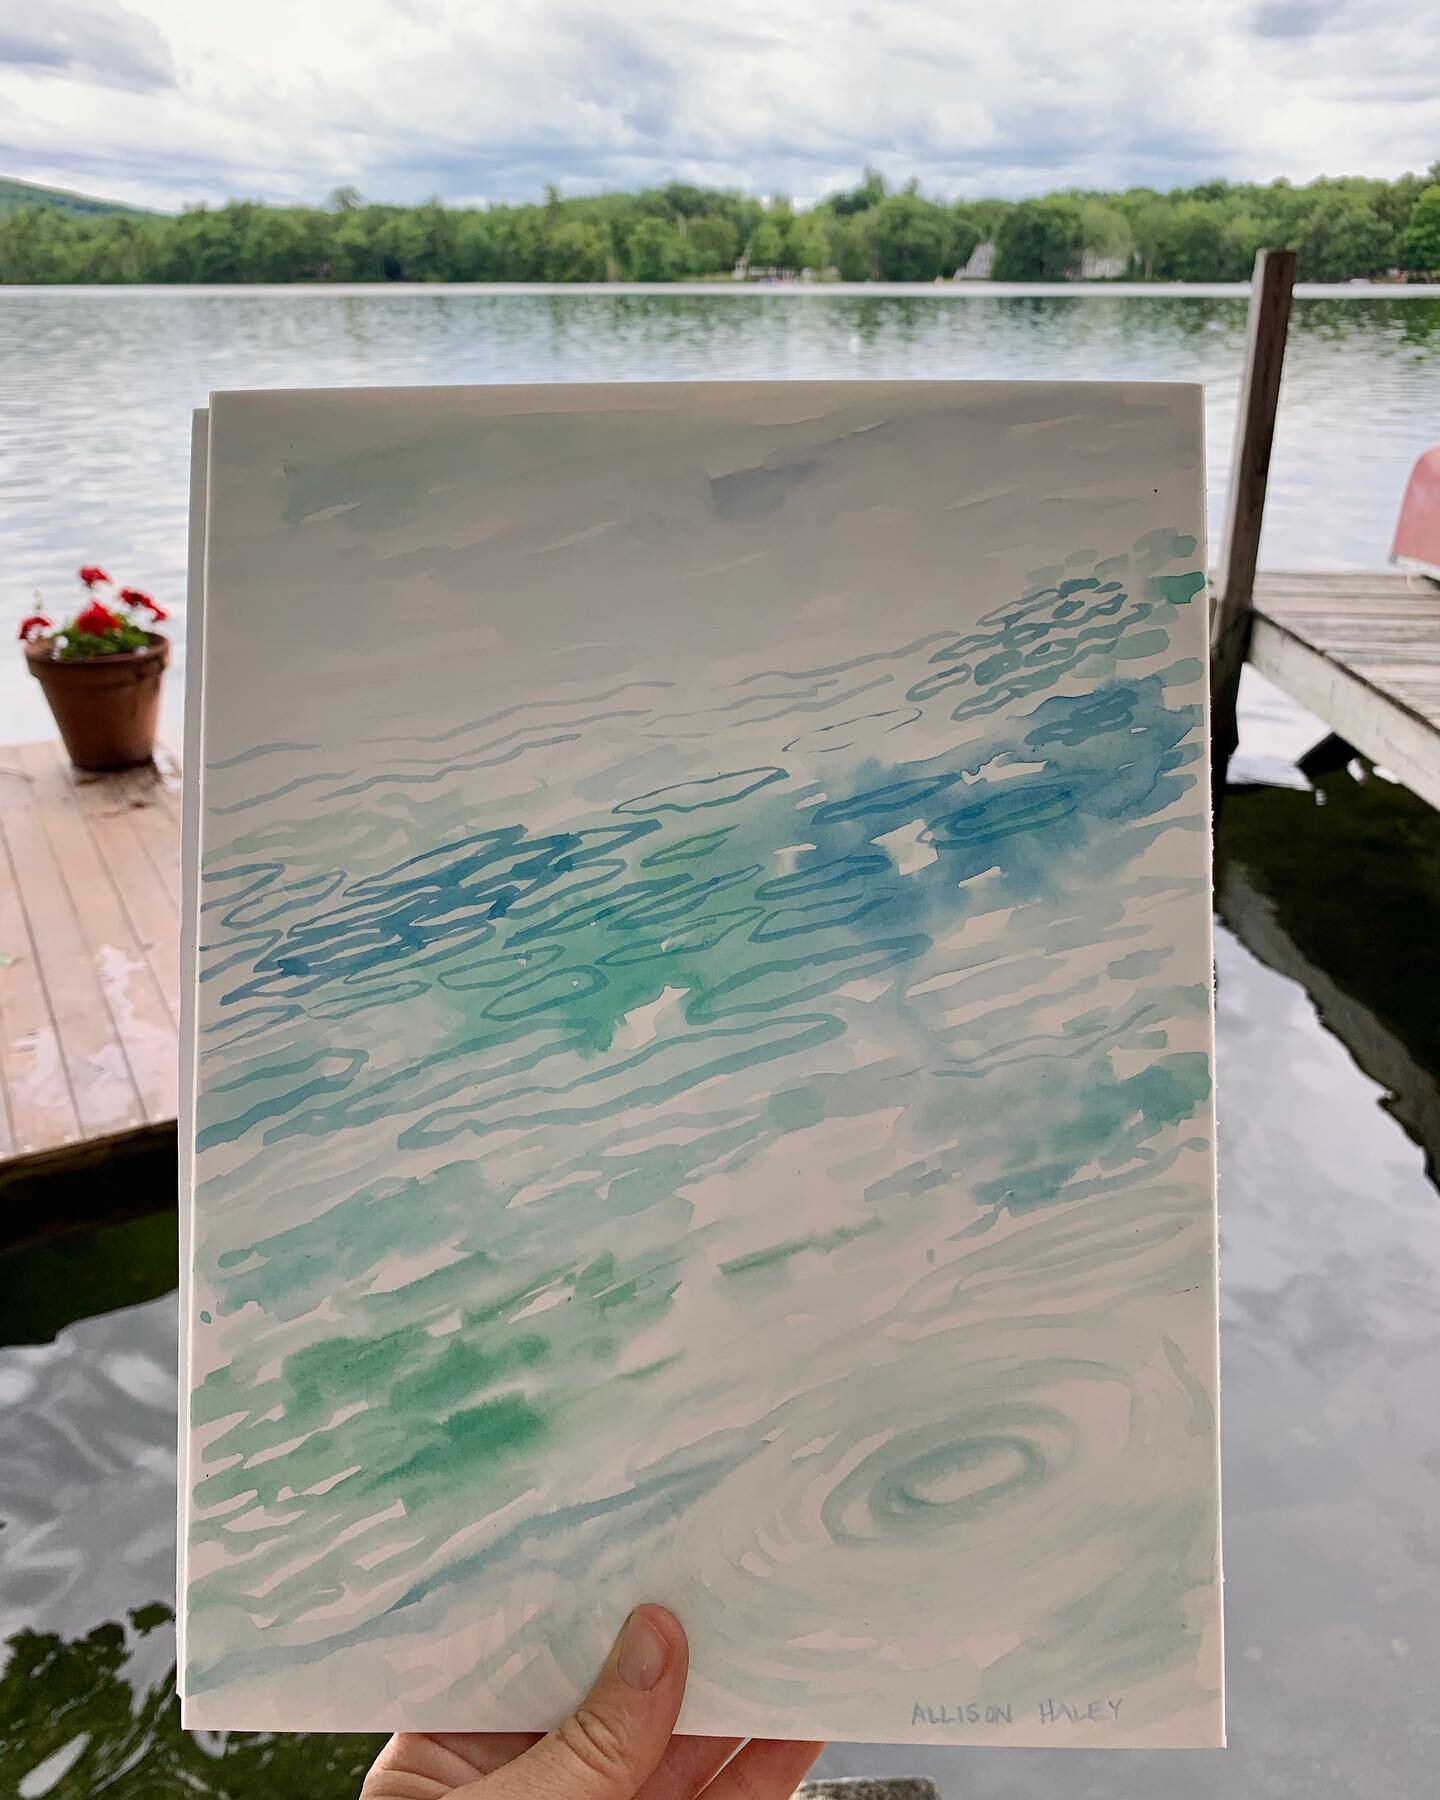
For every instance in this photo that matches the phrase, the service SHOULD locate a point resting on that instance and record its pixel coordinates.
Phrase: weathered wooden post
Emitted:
(1269, 321)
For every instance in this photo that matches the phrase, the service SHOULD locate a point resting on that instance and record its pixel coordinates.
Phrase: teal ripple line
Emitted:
(657, 1501)
(818, 1029)
(391, 778)
(509, 712)
(252, 755)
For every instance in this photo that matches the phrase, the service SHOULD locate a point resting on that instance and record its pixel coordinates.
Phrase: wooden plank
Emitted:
(1389, 625)
(1376, 721)
(1266, 331)
(1358, 648)
(1396, 602)
(1379, 634)
(142, 1019)
(142, 796)
(1383, 641)
(39, 1108)
(1384, 584)
(150, 901)
(39, 1098)
(1403, 609)
(1347, 581)
(1393, 602)
(103, 1093)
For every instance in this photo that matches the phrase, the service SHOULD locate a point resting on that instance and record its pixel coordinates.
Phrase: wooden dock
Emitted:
(1362, 652)
(89, 959)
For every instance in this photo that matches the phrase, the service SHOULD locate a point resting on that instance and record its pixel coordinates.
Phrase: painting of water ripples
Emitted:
(703, 1060)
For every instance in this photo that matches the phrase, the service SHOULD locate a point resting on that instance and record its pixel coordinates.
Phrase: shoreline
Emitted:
(839, 290)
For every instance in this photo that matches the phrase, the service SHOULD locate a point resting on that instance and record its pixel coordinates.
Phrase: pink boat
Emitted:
(1417, 530)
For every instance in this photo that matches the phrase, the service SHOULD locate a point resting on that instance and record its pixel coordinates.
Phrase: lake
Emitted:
(1328, 957)
(97, 386)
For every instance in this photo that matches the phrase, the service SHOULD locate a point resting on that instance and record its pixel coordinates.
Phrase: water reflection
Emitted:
(1335, 887)
(76, 1726)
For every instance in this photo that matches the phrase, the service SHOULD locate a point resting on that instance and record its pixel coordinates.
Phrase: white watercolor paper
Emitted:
(704, 1060)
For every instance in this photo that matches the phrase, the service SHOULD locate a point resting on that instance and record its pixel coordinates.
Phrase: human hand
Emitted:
(616, 1745)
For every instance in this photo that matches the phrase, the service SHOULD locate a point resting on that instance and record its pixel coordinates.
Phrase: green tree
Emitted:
(1343, 237)
(869, 193)
(355, 251)
(654, 251)
(1342, 226)
(1040, 240)
(913, 239)
(767, 245)
(1105, 230)
(429, 242)
(36, 246)
(1149, 222)
(285, 244)
(575, 251)
(967, 232)
(1420, 240)
(204, 246)
(714, 243)
(806, 246)
(989, 216)
(124, 251)
(1202, 240)
(851, 246)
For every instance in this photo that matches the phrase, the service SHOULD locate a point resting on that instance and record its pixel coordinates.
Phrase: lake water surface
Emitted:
(97, 386)
(1329, 961)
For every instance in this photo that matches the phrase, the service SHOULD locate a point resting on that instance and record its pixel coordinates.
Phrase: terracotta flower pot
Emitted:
(106, 706)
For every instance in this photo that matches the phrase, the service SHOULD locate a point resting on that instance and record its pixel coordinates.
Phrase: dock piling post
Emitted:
(1266, 330)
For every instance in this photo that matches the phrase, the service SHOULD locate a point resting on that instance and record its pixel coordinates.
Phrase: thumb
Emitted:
(613, 1740)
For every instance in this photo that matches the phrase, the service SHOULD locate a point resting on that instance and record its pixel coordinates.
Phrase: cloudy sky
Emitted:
(161, 102)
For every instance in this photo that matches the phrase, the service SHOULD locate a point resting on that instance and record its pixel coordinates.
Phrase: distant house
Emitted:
(745, 270)
(1095, 267)
(982, 260)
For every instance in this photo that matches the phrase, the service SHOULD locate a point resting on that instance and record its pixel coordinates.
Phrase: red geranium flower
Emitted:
(36, 622)
(96, 620)
(93, 573)
(133, 597)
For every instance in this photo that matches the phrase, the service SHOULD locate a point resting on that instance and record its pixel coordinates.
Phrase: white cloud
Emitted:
(405, 98)
(92, 45)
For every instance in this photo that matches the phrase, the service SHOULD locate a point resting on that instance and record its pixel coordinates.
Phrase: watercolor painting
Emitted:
(703, 1060)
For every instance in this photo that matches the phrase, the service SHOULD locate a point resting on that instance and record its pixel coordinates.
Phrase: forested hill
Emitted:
(1343, 229)
(15, 194)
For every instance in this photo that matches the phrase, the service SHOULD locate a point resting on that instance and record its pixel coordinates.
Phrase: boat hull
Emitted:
(1417, 530)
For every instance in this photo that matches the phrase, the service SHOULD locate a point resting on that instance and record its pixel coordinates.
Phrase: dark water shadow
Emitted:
(1338, 888)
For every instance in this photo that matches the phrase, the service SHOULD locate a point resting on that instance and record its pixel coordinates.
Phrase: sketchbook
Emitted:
(700, 1058)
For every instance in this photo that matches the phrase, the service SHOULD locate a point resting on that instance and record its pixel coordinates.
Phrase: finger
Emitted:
(687, 1765)
(616, 1736)
(428, 1762)
(766, 1769)
(484, 1751)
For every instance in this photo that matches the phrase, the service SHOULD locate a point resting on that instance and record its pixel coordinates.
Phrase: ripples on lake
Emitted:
(97, 386)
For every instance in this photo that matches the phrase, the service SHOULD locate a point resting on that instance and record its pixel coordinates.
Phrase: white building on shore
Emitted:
(982, 259)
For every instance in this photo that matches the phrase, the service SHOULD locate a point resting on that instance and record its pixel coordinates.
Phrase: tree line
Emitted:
(1343, 229)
